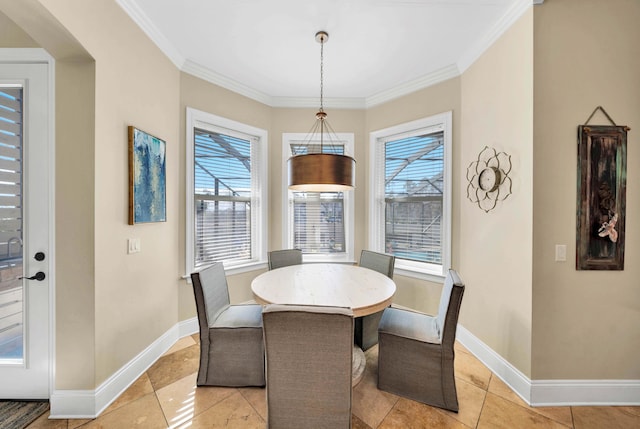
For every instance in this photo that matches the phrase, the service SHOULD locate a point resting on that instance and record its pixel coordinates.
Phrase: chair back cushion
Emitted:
(449, 309)
(284, 258)
(211, 284)
(379, 262)
(308, 366)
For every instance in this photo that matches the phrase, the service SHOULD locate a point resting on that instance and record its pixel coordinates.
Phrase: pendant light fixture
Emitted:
(321, 172)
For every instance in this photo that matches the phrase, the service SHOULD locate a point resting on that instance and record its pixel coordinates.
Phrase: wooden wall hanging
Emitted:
(602, 185)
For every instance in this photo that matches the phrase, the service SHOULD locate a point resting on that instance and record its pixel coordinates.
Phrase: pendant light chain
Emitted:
(321, 74)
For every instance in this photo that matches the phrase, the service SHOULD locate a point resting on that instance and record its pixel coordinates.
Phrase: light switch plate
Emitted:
(561, 252)
(133, 245)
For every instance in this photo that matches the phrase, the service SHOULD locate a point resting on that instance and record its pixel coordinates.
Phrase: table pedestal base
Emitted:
(359, 364)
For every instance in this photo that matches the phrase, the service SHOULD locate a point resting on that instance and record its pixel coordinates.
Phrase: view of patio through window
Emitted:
(413, 187)
(11, 287)
(222, 197)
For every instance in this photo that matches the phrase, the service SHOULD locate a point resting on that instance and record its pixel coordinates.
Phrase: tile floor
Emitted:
(166, 397)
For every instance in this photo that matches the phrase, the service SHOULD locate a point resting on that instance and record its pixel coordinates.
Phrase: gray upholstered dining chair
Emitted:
(231, 341)
(309, 352)
(366, 327)
(284, 258)
(415, 354)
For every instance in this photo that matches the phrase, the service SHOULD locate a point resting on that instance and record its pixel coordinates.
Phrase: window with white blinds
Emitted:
(226, 192)
(412, 197)
(222, 183)
(319, 223)
(10, 174)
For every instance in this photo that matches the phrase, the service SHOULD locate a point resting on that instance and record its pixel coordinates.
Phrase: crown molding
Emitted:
(441, 75)
(209, 75)
(140, 18)
(430, 79)
(508, 19)
(313, 102)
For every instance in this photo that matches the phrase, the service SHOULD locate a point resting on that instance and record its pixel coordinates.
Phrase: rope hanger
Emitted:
(605, 114)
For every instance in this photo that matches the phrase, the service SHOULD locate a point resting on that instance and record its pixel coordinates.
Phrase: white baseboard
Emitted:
(516, 380)
(188, 327)
(82, 404)
(552, 393)
(545, 393)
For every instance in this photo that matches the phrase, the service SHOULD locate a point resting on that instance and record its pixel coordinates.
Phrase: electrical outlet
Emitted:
(561, 252)
(133, 245)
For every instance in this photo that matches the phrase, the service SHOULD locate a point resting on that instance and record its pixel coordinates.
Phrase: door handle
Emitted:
(37, 276)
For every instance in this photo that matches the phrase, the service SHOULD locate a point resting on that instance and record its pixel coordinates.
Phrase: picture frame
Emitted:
(601, 197)
(147, 177)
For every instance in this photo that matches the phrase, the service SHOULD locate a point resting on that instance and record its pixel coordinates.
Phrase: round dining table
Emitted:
(363, 290)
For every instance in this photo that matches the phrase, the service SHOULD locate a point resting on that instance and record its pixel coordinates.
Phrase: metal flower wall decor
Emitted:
(488, 178)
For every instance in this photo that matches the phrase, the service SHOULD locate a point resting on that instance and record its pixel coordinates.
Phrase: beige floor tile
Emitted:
(498, 387)
(76, 423)
(470, 369)
(257, 397)
(356, 423)
(470, 401)
(143, 413)
(43, 422)
(500, 413)
(173, 367)
(142, 386)
(368, 403)
(182, 343)
(605, 417)
(407, 414)
(460, 348)
(182, 400)
(559, 414)
(232, 412)
(631, 410)
(196, 337)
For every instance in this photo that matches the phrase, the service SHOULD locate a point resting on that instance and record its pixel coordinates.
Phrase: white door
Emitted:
(25, 194)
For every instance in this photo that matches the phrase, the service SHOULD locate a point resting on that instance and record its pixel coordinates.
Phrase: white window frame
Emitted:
(259, 207)
(435, 123)
(347, 140)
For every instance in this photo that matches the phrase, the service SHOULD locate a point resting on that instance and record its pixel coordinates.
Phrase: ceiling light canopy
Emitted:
(322, 171)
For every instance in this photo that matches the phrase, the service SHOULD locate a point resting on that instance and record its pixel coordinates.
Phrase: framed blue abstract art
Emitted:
(147, 178)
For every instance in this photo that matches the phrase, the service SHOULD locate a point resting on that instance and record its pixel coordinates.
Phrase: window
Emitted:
(410, 211)
(226, 186)
(318, 223)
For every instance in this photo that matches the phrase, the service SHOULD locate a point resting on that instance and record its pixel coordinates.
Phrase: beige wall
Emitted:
(12, 36)
(495, 247)
(586, 324)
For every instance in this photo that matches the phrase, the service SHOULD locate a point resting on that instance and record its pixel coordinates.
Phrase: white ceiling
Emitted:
(377, 49)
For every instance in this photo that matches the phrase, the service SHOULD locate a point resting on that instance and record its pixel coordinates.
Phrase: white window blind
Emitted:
(222, 197)
(10, 174)
(410, 200)
(413, 187)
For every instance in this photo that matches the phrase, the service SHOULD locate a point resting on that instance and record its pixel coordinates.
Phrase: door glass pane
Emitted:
(11, 288)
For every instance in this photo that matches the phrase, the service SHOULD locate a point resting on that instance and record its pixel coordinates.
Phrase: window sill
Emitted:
(422, 275)
(236, 269)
